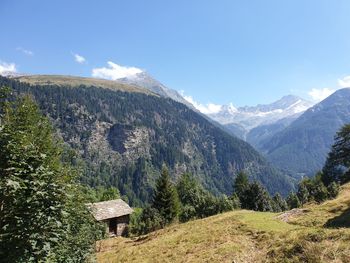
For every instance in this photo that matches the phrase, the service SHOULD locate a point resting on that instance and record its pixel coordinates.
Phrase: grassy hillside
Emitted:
(316, 233)
(74, 81)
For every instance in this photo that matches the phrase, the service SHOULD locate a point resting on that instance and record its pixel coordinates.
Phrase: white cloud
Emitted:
(79, 59)
(6, 68)
(209, 108)
(114, 71)
(25, 51)
(320, 94)
(344, 82)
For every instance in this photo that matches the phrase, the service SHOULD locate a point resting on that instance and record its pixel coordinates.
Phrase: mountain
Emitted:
(302, 147)
(124, 134)
(144, 80)
(261, 134)
(252, 117)
(317, 233)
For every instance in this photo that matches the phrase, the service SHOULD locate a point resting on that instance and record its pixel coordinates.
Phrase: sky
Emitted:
(213, 52)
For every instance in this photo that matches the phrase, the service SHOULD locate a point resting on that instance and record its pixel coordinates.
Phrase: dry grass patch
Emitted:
(73, 81)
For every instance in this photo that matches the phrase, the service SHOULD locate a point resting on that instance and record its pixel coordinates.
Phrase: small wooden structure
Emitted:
(115, 214)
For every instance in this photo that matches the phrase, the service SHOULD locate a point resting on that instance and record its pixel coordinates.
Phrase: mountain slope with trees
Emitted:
(302, 147)
(124, 138)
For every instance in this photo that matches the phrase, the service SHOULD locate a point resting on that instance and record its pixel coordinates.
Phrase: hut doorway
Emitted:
(113, 226)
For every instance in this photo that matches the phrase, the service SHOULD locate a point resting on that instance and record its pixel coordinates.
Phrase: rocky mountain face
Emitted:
(124, 136)
(144, 80)
(302, 147)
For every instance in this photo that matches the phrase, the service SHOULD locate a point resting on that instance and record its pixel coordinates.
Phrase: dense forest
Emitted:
(124, 138)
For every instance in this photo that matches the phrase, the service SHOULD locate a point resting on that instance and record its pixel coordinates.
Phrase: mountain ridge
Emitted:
(302, 147)
(125, 137)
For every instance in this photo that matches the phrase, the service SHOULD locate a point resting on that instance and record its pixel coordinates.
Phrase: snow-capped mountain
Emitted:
(144, 80)
(250, 117)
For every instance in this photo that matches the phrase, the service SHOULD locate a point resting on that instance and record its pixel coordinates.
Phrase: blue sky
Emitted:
(244, 52)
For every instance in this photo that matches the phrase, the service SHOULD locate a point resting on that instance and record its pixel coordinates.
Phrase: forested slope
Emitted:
(125, 137)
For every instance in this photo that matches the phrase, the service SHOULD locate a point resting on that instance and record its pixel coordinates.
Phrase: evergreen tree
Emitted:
(241, 187)
(337, 166)
(333, 190)
(241, 183)
(165, 198)
(278, 203)
(304, 191)
(293, 201)
(36, 190)
(258, 199)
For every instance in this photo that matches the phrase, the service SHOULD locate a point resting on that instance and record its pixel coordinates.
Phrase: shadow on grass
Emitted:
(342, 220)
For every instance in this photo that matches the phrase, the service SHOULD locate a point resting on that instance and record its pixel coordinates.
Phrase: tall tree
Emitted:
(337, 167)
(278, 203)
(35, 187)
(165, 198)
(241, 186)
(258, 198)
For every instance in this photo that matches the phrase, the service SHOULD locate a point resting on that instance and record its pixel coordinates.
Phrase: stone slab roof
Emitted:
(109, 209)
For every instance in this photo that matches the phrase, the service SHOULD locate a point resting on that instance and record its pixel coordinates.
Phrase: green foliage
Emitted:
(38, 200)
(81, 231)
(333, 189)
(293, 200)
(147, 221)
(313, 189)
(100, 193)
(253, 195)
(196, 202)
(241, 184)
(165, 198)
(337, 167)
(278, 203)
(258, 199)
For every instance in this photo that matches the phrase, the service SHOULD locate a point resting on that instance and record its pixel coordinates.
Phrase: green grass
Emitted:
(243, 236)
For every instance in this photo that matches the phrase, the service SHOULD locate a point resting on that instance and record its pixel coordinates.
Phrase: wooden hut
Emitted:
(115, 214)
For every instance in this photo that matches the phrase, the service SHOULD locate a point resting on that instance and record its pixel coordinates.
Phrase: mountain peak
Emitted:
(251, 116)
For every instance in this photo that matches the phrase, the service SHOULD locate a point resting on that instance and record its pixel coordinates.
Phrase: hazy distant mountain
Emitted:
(302, 147)
(261, 134)
(251, 117)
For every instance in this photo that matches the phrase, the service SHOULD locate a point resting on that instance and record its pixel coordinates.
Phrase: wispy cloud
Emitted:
(25, 51)
(78, 58)
(114, 71)
(7, 68)
(208, 108)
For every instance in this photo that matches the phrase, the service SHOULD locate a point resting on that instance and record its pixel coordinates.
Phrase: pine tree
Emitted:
(337, 166)
(165, 198)
(258, 198)
(303, 191)
(293, 201)
(278, 203)
(241, 186)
